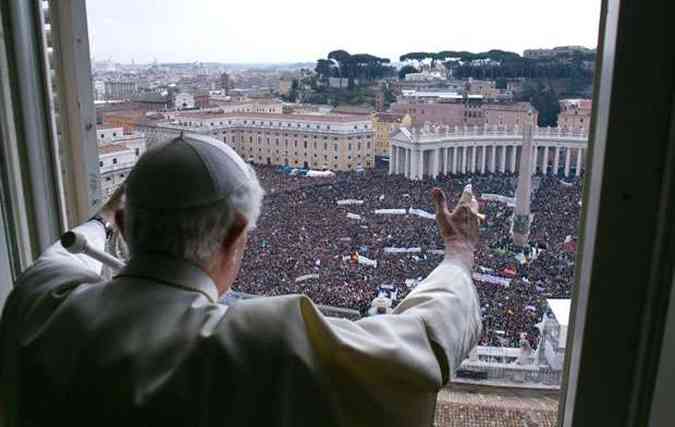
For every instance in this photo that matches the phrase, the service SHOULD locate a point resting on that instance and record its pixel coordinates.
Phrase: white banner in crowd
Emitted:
(367, 261)
(421, 213)
(392, 250)
(509, 201)
(349, 202)
(390, 211)
(306, 277)
(320, 174)
(437, 251)
(489, 278)
(354, 216)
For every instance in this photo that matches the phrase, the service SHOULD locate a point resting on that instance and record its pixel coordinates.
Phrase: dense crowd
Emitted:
(302, 231)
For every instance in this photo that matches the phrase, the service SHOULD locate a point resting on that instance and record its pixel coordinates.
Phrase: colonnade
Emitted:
(416, 160)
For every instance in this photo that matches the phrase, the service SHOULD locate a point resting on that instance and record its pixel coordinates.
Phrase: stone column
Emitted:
(483, 159)
(502, 168)
(392, 160)
(455, 159)
(493, 161)
(556, 160)
(420, 170)
(535, 159)
(435, 162)
(401, 160)
(408, 162)
(579, 154)
(465, 160)
(514, 152)
(567, 161)
(473, 160)
(545, 167)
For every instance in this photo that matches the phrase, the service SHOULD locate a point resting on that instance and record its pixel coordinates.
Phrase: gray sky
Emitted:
(305, 30)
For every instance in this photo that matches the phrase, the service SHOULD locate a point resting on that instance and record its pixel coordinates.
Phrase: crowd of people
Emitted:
(306, 243)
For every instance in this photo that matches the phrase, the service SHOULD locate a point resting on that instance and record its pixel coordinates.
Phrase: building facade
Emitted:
(337, 142)
(119, 89)
(263, 105)
(518, 114)
(575, 114)
(117, 154)
(285, 86)
(452, 111)
(183, 101)
(434, 150)
(385, 125)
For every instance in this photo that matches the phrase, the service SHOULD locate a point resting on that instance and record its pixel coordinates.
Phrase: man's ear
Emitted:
(237, 230)
(120, 222)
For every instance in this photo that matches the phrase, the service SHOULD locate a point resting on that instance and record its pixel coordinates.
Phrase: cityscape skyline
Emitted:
(297, 32)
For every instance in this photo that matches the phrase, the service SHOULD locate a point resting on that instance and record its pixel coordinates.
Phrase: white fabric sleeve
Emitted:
(448, 303)
(423, 341)
(95, 234)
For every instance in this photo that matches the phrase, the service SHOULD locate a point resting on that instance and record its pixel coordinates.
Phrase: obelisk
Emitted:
(521, 216)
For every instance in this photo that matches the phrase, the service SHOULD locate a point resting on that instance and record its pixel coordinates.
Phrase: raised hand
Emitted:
(459, 228)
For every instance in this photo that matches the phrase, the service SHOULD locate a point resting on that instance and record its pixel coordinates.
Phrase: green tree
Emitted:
(406, 69)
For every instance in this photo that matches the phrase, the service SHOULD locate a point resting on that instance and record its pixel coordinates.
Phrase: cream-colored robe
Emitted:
(153, 347)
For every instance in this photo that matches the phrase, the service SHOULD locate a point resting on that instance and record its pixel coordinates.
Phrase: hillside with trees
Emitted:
(363, 67)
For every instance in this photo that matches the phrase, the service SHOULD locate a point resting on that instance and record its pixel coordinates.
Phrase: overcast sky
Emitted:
(305, 30)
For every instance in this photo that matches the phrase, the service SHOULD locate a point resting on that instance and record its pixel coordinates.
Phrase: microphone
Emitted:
(76, 243)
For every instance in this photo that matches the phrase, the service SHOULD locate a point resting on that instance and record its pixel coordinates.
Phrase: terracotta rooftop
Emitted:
(112, 148)
(278, 116)
(390, 117)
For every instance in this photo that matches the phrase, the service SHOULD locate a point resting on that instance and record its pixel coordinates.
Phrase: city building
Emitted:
(425, 76)
(201, 98)
(450, 109)
(575, 114)
(362, 110)
(337, 142)
(260, 105)
(152, 101)
(485, 88)
(224, 83)
(510, 115)
(119, 89)
(117, 154)
(561, 50)
(339, 82)
(385, 125)
(433, 150)
(285, 86)
(99, 90)
(184, 101)
(125, 119)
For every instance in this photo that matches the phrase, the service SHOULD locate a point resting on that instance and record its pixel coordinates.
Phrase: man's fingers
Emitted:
(439, 200)
(440, 203)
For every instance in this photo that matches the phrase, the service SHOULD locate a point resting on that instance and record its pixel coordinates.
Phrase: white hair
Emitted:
(194, 234)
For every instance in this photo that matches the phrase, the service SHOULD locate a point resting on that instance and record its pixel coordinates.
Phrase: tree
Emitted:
(325, 68)
(293, 93)
(407, 69)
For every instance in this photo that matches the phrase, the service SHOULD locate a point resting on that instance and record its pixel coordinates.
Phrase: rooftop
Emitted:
(342, 118)
(112, 148)
(518, 106)
(389, 117)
